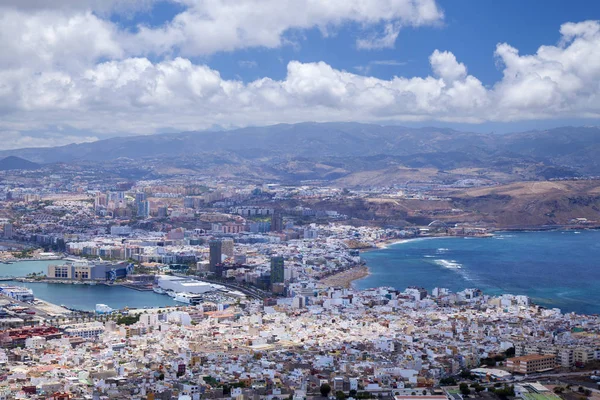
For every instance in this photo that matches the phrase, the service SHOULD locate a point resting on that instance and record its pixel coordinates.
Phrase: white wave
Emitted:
(428, 256)
(441, 250)
(448, 264)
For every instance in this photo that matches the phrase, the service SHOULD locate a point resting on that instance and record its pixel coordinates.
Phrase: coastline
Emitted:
(346, 278)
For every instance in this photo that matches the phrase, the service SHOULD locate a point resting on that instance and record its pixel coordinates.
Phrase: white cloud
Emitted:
(445, 66)
(393, 63)
(385, 40)
(54, 39)
(208, 26)
(76, 69)
(19, 140)
(98, 6)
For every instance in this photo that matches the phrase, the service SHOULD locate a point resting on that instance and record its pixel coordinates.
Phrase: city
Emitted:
(299, 200)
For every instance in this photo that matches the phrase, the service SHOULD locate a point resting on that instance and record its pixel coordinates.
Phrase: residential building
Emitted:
(531, 363)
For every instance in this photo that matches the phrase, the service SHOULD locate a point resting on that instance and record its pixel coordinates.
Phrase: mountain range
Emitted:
(336, 151)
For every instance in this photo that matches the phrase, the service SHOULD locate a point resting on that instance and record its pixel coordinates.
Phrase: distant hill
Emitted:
(13, 162)
(341, 150)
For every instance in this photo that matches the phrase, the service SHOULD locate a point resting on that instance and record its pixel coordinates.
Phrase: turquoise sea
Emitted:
(555, 269)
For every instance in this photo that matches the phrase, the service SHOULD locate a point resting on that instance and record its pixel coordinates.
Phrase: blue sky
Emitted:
(81, 70)
(471, 30)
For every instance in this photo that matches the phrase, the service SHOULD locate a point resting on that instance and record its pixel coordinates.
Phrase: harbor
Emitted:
(87, 294)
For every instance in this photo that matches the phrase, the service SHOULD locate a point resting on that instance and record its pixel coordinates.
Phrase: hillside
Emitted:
(350, 154)
(12, 162)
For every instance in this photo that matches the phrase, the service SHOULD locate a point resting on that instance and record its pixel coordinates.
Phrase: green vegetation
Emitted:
(325, 389)
(466, 374)
(210, 380)
(510, 352)
(448, 382)
(128, 319)
(504, 392)
(26, 253)
(464, 389)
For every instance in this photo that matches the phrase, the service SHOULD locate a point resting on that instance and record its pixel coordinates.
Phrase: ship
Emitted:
(158, 290)
(188, 298)
(18, 293)
(170, 293)
(103, 309)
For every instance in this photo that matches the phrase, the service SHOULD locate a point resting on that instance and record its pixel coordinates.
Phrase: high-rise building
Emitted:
(100, 200)
(139, 197)
(189, 202)
(276, 222)
(277, 270)
(227, 247)
(162, 212)
(7, 230)
(143, 210)
(215, 254)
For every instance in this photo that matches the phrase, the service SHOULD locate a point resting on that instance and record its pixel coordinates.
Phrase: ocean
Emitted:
(555, 269)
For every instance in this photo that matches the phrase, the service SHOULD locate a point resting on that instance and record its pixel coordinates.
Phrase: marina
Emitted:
(87, 295)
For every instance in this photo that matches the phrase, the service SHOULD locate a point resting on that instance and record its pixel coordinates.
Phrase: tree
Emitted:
(325, 389)
(339, 395)
(489, 362)
(510, 352)
(464, 389)
(466, 374)
(353, 393)
(447, 381)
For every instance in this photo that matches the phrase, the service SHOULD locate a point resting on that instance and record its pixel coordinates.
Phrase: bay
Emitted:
(555, 269)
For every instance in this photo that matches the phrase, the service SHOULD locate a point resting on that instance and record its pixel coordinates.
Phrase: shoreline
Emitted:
(346, 278)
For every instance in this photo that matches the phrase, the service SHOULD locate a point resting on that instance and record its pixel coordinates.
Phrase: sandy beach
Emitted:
(345, 278)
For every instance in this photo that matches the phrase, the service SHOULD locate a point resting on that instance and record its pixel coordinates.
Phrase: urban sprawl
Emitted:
(264, 306)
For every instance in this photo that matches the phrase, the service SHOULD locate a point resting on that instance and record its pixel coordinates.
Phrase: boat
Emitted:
(158, 290)
(188, 298)
(103, 309)
(18, 293)
(171, 293)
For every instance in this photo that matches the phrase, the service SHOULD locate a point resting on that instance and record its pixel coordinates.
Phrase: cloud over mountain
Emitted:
(68, 65)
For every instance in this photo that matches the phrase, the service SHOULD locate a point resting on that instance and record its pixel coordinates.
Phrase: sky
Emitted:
(82, 70)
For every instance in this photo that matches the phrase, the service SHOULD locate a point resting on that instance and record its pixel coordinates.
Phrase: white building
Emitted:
(85, 330)
(184, 285)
